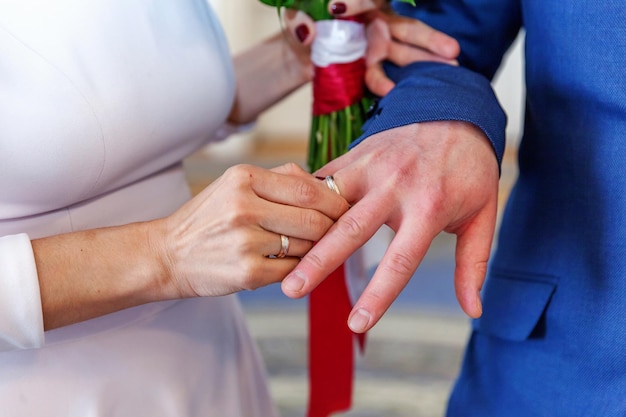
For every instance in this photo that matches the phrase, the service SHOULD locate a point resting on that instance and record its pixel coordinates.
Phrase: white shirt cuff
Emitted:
(228, 129)
(21, 316)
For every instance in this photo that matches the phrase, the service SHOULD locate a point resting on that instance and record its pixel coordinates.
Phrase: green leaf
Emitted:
(278, 3)
(317, 9)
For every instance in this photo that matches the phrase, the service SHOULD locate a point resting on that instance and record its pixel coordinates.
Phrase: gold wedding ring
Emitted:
(330, 182)
(284, 247)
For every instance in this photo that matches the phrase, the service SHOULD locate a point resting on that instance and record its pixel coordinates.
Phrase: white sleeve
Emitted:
(21, 317)
(228, 129)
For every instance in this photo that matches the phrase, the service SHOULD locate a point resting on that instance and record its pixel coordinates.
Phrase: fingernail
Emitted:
(338, 8)
(294, 282)
(359, 320)
(302, 32)
(320, 178)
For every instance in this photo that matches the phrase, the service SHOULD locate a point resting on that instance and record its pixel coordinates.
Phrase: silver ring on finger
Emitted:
(284, 247)
(330, 182)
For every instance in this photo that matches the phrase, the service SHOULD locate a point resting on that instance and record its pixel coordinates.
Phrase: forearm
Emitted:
(267, 73)
(88, 274)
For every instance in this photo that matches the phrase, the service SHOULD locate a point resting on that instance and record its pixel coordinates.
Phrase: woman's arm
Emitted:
(218, 243)
(266, 73)
(87, 274)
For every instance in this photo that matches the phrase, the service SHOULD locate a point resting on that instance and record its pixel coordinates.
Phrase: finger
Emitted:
(349, 233)
(246, 264)
(291, 168)
(256, 262)
(378, 39)
(402, 54)
(272, 245)
(377, 50)
(405, 253)
(266, 271)
(377, 81)
(293, 221)
(417, 33)
(473, 248)
(297, 190)
(294, 169)
(249, 240)
(346, 8)
(347, 175)
(300, 25)
(257, 242)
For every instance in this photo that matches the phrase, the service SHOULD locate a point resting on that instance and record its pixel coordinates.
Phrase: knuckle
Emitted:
(481, 268)
(400, 265)
(305, 193)
(239, 214)
(292, 168)
(239, 174)
(435, 204)
(241, 243)
(315, 223)
(350, 227)
(314, 260)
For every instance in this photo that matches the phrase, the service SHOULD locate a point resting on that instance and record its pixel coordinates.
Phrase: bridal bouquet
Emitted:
(340, 102)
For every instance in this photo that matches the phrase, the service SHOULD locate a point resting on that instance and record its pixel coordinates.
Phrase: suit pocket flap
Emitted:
(514, 303)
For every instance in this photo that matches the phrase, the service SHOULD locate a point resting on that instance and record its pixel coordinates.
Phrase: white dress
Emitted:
(100, 100)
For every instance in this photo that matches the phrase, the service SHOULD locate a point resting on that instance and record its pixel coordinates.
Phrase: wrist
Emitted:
(161, 266)
(87, 274)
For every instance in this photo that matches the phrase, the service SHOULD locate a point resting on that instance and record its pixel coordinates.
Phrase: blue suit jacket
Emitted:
(552, 338)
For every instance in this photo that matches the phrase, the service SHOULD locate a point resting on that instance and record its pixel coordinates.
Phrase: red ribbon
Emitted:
(338, 86)
(331, 342)
(331, 347)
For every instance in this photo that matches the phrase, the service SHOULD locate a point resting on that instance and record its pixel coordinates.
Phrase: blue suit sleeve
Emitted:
(485, 29)
(430, 91)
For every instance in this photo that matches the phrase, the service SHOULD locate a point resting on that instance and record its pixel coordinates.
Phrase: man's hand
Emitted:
(420, 180)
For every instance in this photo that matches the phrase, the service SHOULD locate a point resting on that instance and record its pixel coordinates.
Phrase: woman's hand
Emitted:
(390, 37)
(220, 242)
(224, 239)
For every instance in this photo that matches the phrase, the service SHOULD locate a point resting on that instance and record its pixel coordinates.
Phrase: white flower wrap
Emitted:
(338, 42)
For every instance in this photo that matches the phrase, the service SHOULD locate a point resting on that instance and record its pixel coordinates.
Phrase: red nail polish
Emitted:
(338, 8)
(302, 32)
(320, 178)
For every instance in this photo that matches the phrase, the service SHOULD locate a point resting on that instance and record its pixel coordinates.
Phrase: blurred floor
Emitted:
(412, 354)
